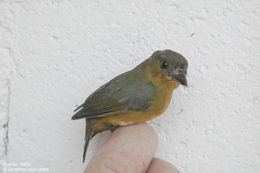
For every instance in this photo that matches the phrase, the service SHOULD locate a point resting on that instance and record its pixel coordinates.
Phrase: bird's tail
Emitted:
(88, 135)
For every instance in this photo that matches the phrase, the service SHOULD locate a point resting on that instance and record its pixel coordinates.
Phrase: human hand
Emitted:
(130, 149)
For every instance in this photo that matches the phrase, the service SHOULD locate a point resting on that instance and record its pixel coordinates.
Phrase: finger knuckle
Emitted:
(116, 162)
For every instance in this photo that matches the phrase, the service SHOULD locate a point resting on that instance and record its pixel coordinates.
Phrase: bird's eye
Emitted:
(165, 64)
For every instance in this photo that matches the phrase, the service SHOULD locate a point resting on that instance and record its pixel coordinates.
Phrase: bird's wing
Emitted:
(126, 92)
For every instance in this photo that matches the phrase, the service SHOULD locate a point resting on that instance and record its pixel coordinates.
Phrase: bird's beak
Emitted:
(180, 77)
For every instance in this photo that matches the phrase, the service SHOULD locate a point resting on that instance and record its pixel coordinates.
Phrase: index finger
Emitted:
(129, 149)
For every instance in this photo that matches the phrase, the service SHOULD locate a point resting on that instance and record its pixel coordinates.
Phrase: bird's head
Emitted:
(173, 66)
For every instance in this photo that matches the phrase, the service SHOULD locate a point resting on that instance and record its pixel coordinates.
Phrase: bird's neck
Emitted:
(154, 75)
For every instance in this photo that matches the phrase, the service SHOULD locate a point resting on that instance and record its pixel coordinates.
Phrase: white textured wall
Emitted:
(53, 54)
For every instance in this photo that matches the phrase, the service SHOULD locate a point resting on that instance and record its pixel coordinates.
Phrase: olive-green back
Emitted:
(128, 91)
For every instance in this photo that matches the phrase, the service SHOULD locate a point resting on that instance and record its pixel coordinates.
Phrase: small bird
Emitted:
(136, 96)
